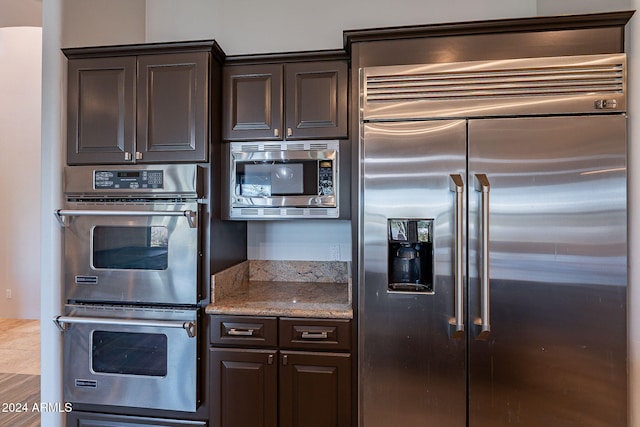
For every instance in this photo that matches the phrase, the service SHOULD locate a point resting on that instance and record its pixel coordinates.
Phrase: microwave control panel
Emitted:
(325, 178)
(122, 179)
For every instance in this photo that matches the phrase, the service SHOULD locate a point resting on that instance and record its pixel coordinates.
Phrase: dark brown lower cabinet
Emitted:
(270, 388)
(315, 389)
(244, 387)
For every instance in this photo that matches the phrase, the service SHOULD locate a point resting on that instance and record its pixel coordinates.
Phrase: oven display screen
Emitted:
(128, 174)
(129, 353)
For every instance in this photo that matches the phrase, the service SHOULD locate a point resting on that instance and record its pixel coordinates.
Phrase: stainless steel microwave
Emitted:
(268, 180)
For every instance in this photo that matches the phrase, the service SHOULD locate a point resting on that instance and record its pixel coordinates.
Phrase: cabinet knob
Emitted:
(127, 155)
(270, 359)
(289, 132)
(285, 360)
(276, 133)
(138, 155)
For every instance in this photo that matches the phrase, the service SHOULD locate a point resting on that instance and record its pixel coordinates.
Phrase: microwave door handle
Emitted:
(62, 322)
(190, 215)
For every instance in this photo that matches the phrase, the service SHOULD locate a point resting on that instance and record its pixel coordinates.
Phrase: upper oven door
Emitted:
(134, 253)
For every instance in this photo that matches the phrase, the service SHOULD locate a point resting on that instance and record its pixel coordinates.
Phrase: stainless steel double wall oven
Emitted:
(134, 238)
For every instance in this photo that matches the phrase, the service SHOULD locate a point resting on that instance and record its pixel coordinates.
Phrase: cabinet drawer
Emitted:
(316, 334)
(244, 331)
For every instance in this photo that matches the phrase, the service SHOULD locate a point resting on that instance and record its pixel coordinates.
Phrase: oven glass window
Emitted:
(129, 353)
(131, 248)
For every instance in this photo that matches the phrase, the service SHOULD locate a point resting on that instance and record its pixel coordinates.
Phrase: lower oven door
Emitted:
(132, 253)
(135, 357)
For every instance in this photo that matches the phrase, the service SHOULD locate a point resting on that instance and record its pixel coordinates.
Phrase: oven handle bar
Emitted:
(62, 322)
(189, 214)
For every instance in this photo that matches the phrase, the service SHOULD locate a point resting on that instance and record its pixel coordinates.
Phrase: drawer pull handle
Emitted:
(306, 335)
(241, 332)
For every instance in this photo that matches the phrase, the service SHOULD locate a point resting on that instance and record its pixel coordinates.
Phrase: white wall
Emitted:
(20, 86)
(561, 7)
(309, 240)
(53, 118)
(251, 26)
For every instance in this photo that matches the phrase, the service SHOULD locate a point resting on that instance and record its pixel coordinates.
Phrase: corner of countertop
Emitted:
(278, 287)
(230, 280)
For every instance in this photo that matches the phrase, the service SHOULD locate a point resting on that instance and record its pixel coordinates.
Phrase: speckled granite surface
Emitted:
(283, 288)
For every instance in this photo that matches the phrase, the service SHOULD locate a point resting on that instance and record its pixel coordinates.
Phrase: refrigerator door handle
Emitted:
(457, 323)
(482, 185)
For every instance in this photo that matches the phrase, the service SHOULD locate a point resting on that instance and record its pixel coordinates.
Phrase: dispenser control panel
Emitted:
(410, 263)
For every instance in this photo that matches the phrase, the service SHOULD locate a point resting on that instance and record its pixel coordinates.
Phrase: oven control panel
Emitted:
(127, 179)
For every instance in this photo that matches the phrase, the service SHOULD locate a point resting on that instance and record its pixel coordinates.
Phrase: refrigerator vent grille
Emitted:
(598, 79)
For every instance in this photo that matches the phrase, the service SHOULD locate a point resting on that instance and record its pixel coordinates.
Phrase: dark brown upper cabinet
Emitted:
(144, 105)
(296, 100)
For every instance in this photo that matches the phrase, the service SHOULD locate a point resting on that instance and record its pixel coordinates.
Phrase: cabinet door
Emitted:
(316, 100)
(252, 99)
(173, 109)
(244, 386)
(101, 110)
(315, 389)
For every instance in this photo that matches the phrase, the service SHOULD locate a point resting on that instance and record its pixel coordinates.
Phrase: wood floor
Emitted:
(19, 373)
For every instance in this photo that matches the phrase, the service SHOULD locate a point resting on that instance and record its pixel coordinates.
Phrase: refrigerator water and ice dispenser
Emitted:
(410, 257)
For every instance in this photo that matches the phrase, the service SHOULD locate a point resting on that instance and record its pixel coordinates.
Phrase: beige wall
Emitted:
(20, 13)
(100, 22)
(20, 86)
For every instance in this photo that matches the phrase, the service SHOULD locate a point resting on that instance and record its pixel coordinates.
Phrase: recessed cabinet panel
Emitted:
(101, 109)
(315, 389)
(316, 100)
(244, 384)
(172, 107)
(253, 102)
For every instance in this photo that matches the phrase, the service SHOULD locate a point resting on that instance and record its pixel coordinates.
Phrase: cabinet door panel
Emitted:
(243, 388)
(101, 110)
(173, 107)
(316, 100)
(315, 389)
(252, 99)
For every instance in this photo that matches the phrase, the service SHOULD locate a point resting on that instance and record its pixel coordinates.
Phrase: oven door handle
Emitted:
(191, 216)
(62, 322)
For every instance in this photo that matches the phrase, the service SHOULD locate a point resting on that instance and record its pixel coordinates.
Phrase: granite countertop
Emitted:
(308, 289)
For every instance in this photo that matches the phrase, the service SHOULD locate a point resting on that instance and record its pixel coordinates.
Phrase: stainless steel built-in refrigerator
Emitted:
(493, 244)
